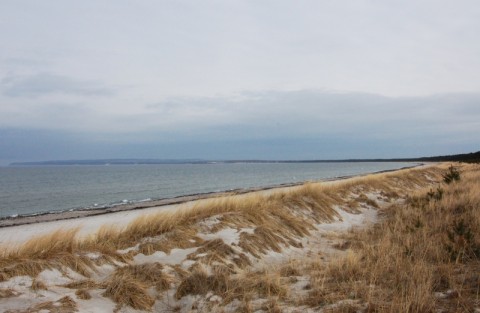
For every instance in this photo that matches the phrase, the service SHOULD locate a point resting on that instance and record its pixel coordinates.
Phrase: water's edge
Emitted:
(85, 212)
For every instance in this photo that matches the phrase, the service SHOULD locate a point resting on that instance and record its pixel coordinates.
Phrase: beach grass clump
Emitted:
(179, 238)
(83, 294)
(216, 251)
(62, 305)
(55, 250)
(221, 282)
(84, 284)
(200, 282)
(129, 286)
(7, 293)
(38, 285)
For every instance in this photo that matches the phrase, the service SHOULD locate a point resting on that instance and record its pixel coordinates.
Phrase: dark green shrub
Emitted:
(461, 242)
(452, 175)
(435, 195)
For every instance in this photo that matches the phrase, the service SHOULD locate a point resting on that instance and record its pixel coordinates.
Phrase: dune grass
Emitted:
(54, 250)
(424, 257)
(245, 285)
(130, 285)
(277, 220)
(63, 305)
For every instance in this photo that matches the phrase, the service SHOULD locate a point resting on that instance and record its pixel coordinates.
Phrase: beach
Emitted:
(268, 248)
(17, 230)
(20, 229)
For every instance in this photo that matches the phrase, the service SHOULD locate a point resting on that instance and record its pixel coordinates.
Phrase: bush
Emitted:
(452, 175)
(435, 195)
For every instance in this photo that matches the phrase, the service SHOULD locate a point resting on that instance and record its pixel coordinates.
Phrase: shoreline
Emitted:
(6, 222)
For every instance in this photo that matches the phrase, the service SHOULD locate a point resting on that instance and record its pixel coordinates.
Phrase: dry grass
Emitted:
(199, 282)
(84, 284)
(256, 209)
(83, 294)
(63, 305)
(217, 251)
(424, 246)
(38, 285)
(7, 293)
(129, 285)
(245, 285)
(83, 288)
(125, 290)
(179, 238)
(55, 250)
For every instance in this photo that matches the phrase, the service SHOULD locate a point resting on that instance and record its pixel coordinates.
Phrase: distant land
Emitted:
(473, 157)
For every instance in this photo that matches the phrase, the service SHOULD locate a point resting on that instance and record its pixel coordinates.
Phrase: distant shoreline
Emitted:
(87, 212)
(465, 157)
(108, 162)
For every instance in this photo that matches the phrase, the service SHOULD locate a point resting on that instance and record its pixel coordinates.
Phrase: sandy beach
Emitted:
(276, 246)
(19, 229)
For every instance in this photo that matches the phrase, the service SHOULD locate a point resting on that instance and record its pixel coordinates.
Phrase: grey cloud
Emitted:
(266, 124)
(311, 113)
(45, 84)
(262, 114)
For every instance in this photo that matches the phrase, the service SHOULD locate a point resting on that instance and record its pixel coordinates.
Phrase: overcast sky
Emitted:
(238, 79)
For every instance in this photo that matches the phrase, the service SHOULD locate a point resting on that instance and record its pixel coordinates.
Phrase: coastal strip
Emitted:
(88, 212)
(275, 249)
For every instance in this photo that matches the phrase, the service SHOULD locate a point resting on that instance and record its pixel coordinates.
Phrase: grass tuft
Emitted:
(129, 285)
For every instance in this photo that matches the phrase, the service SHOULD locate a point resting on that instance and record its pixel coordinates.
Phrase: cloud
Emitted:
(168, 76)
(254, 114)
(42, 84)
(303, 124)
(167, 48)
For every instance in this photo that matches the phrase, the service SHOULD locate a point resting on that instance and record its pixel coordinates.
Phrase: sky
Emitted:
(248, 79)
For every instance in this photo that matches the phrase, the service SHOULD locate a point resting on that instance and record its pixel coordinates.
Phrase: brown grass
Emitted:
(54, 250)
(129, 285)
(316, 199)
(38, 285)
(424, 246)
(126, 290)
(179, 238)
(214, 251)
(63, 305)
(83, 294)
(7, 293)
(230, 287)
(84, 284)
(278, 220)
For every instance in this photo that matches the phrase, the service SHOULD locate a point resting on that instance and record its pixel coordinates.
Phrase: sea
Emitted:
(32, 190)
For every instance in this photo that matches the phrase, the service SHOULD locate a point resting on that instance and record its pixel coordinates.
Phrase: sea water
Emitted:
(40, 189)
